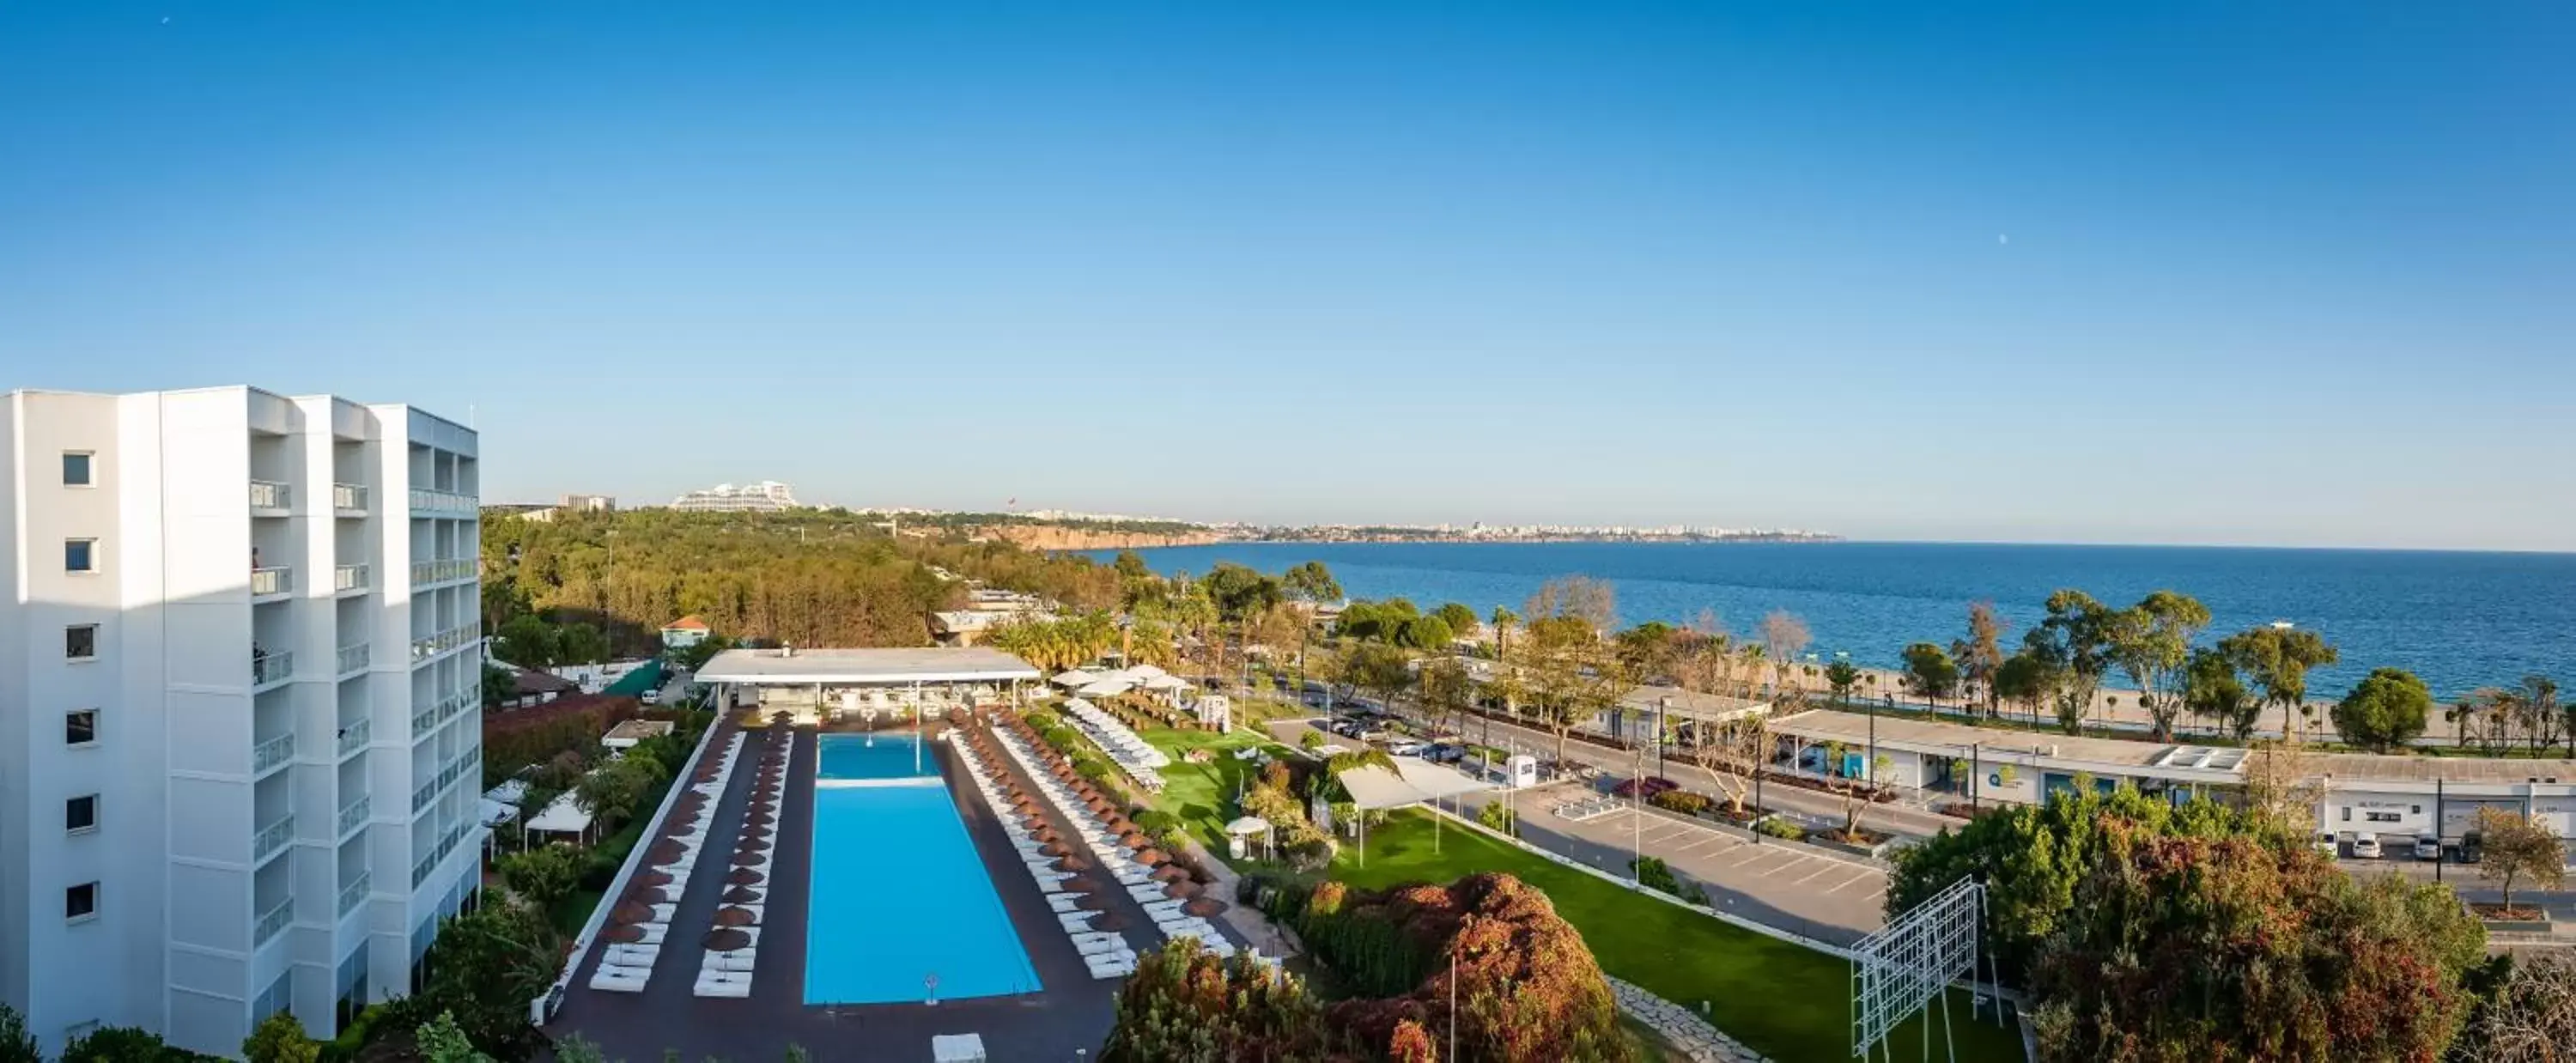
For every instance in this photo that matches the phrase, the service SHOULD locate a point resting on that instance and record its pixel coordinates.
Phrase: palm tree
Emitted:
(1503, 620)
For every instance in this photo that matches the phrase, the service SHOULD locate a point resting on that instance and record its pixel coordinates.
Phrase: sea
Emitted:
(2460, 620)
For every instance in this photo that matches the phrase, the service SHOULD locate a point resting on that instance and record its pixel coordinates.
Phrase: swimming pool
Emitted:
(899, 895)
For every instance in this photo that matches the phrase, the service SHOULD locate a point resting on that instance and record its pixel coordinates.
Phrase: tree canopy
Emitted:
(2388, 708)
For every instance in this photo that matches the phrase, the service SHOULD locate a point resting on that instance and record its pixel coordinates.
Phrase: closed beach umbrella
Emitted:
(653, 878)
(1203, 906)
(752, 845)
(742, 895)
(735, 917)
(1177, 890)
(760, 817)
(649, 895)
(666, 852)
(727, 940)
(631, 912)
(756, 832)
(623, 934)
(1082, 884)
(1046, 834)
(743, 876)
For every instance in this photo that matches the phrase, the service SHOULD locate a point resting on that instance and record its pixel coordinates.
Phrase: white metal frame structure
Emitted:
(1898, 971)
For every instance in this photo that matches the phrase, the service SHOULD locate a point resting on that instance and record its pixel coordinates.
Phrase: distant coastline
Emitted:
(1420, 537)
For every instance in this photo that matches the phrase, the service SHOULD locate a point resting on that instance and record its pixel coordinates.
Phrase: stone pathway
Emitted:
(1681, 1026)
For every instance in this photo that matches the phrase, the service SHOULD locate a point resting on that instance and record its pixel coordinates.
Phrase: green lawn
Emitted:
(1787, 1002)
(1203, 794)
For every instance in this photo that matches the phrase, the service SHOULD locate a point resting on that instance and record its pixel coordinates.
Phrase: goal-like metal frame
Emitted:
(1897, 972)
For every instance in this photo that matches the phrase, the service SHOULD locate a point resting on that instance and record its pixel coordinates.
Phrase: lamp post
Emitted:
(1663, 711)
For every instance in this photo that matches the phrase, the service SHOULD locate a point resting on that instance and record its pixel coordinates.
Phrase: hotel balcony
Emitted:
(271, 584)
(270, 669)
(272, 754)
(271, 839)
(349, 500)
(438, 712)
(432, 646)
(355, 736)
(350, 579)
(273, 922)
(449, 570)
(429, 861)
(268, 498)
(355, 893)
(353, 816)
(428, 502)
(354, 659)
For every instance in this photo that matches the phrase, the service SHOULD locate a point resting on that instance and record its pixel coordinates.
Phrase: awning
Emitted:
(510, 792)
(1104, 688)
(1167, 682)
(1074, 678)
(496, 813)
(564, 816)
(1411, 783)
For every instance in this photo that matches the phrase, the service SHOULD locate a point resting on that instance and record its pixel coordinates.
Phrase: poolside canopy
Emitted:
(1073, 678)
(563, 816)
(1411, 783)
(1105, 688)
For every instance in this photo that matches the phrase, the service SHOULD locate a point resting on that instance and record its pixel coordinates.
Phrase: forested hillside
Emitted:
(808, 577)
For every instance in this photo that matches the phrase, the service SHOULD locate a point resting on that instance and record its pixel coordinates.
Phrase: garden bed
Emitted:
(1862, 842)
(2520, 918)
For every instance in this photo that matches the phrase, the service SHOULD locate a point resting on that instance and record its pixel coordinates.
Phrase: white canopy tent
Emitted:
(1104, 688)
(563, 816)
(1412, 782)
(1075, 678)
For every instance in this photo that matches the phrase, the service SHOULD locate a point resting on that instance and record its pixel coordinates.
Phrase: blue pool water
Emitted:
(899, 894)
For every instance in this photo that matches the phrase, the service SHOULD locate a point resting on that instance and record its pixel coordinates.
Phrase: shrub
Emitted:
(544, 874)
(1653, 874)
(1156, 821)
(1497, 815)
(1781, 828)
(1654, 784)
(120, 1044)
(16, 1044)
(1682, 801)
(280, 1039)
(1311, 740)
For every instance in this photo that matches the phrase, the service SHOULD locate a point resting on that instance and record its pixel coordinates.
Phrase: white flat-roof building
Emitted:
(767, 496)
(239, 695)
(2395, 795)
(864, 682)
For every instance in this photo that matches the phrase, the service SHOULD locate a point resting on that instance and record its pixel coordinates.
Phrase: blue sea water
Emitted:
(2460, 620)
(899, 894)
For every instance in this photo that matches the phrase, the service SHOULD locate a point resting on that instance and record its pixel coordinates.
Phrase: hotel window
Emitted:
(80, 555)
(76, 469)
(80, 814)
(80, 642)
(80, 902)
(80, 727)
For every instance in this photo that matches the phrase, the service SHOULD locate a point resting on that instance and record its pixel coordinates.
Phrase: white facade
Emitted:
(767, 496)
(281, 607)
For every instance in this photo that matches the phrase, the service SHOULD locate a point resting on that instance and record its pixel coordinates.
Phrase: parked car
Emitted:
(2428, 847)
(1406, 747)
(2326, 844)
(2365, 846)
(1444, 753)
(2472, 847)
(1330, 750)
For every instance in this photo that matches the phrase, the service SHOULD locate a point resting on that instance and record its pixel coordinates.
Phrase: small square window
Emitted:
(80, 727)
(80, 642)
(80, 555)
(76, 468)
(81, 902)
(81, 813)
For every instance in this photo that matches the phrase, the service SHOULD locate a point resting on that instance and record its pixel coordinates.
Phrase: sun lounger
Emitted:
(727, 961)
(1145, 891)
(1161, 910)
(1063, 902)
(662, 913)
(1092, 941)
(1076, 921)
(618, 980)
(1111, 967)
(733, 984)
(631, 955)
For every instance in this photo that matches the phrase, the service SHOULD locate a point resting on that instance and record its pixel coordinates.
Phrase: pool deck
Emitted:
(1073, 1012)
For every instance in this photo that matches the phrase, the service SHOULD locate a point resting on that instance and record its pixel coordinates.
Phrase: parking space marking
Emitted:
(1757, 859)
(1838, 887)
(1819, 871)
(1793, 861)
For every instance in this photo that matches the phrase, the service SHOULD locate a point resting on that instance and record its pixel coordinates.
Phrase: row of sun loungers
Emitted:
(1113, 735)
(1103, 950)
(733, 944)
(640, 924)
(1161, 887)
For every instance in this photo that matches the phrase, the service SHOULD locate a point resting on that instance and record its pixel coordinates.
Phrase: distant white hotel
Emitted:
(767, 496)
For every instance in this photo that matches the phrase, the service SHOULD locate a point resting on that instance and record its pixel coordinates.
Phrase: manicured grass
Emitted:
(1203, 794)
(1785, 1001)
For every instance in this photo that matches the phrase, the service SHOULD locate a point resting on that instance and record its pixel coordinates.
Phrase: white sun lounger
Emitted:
(1063, 902)
(618, 980)
(1161, 910)
(1146, 892)
(662, 913)
(1094, 942)
(729, 961)
(1076, 921)
(1103, 967)
(733, 984)
(632, 955)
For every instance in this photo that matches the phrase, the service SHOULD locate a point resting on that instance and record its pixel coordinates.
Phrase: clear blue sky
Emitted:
(2168, 272)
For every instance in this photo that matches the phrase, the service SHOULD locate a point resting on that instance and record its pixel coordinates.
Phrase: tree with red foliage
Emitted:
(2201, 949)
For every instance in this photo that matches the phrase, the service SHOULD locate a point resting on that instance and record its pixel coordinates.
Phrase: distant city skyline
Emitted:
(2151, 273)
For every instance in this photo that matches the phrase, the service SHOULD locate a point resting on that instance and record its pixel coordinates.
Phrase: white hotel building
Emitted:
(240, 745)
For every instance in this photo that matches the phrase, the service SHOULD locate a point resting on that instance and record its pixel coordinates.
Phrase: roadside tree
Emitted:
(2151, 641)
(1840, 677)
(1930, 674)
(2530, 1018)
(1460, 619)
(1981, 654)
(2212, 691)
(1733, 752)
(2278, 660)
(1445, 688)
(2388, 708)
(1784, 637)
(2518, 847)
(2073, 647)
(2023, 679)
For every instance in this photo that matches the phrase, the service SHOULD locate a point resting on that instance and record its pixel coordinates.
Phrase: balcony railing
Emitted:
(355, 658)
(429, 861)
(456, 767)
(273, 837)
(349, 578)
(273, 921)
(423, 649)
(447, 503)
(268, 581)
(352, 814)
(269, 494)
(444, 709)
(355, 893)
(354, 736)
(266, 668)
(267, 755)
(349, 498)
(441, 571)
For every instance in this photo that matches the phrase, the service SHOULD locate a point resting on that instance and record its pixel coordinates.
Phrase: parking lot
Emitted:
(1791, 887)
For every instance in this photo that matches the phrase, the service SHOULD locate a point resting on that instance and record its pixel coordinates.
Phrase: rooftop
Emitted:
(686, 623)
(923, 664)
